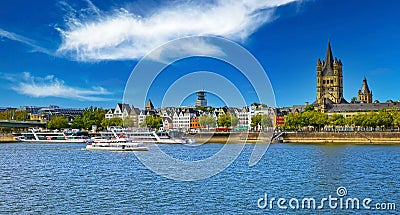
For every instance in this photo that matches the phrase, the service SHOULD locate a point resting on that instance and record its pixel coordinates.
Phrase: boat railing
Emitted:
(65, 136)
(34, 134)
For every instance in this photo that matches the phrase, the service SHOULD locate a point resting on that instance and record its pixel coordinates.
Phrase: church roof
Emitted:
(361, 107)
(364, 87)
(149, 105)
(343, 101)
(327, 70)
(328, 67)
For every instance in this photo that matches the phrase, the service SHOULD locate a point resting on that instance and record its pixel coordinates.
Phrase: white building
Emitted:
(181, 118)
(120, 111)
(244, 117)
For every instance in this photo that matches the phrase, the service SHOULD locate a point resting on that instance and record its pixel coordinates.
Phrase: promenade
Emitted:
(353, 137)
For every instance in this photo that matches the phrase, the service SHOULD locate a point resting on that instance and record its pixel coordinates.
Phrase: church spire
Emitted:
(364, 86)
(329, 56)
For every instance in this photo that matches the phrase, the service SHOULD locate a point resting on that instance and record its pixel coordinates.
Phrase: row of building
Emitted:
(186, 118)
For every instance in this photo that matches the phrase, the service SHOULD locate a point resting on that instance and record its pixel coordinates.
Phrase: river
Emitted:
(65, 179)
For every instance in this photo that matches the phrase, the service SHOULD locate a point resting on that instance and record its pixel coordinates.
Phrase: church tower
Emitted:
(149, 105)
(329, 80)
(364, 94)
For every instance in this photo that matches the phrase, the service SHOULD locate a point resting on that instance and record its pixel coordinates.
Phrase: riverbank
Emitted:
(7, 138)
(342, 137)
(231, 137)
(372, 138)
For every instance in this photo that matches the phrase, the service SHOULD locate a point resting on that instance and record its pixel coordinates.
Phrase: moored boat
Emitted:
(150, 137)
(66, 136)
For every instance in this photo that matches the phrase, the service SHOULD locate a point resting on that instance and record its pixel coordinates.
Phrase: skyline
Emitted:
(77, 54)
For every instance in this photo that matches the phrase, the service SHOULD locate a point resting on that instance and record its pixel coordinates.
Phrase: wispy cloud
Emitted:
(126, 35)
(24, 40)
(51, 86)
(188, 47)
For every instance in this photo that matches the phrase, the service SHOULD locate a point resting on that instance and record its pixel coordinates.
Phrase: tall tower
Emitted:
(329, 80)
(201, 99)
(149, 105)
(364, 94)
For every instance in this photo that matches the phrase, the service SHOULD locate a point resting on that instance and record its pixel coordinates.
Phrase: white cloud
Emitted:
(50, 86)
(125, 35)
(192, 46)
(24, 40)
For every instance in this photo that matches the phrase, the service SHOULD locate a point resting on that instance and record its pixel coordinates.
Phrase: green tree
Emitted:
(319, 119)
(337, 120)
(262, 120)
(78, 122)
(226, 120)
(370, 120)
(207, 121)
(128, 122)
(266, 121)
(358, 120)
(255, 120)
(57, 122)
(143, 124)
(396, 118)
(116, 121)
(14, 115)
(153, 121)
(309, 108)
(292, 121)
(93, 116)
(234, 121)
(349, 121)
(385, 118)
(353, 100)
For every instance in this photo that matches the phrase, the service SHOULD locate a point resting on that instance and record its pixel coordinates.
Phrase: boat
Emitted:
(160, 137)
(115, 143)
(46, 136)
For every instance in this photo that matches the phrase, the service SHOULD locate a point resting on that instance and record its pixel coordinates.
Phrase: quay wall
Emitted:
(6, 138)
(230, 137)
(299, 137)
(342, 137)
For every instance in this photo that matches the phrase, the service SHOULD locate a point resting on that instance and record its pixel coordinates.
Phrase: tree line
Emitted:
(228, 120)
(383, 119)
(14, 115)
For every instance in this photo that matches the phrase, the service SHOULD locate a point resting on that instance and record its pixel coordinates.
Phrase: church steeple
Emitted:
(364, 86)
(149, 105)
(365, 94)
(329, 56)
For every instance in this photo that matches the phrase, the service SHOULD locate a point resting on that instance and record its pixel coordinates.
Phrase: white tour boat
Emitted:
(150, 137)
(66, 136)
(115, 143)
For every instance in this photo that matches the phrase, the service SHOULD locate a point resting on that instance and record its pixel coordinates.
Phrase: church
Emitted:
(330, 97)
(330, 80)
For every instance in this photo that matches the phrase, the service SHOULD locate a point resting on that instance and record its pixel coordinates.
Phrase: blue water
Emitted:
(64, 179)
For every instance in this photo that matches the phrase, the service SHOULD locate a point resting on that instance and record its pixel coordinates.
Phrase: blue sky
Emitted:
(81, 53)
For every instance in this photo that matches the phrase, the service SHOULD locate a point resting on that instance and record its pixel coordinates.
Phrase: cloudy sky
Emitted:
(82, 52)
